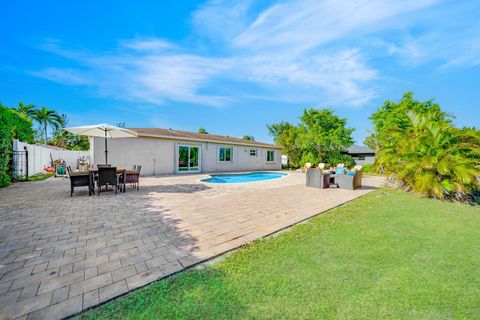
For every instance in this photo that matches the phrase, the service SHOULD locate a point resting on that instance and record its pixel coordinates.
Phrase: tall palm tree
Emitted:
(433, 158)
(27, 109)
(47, 117)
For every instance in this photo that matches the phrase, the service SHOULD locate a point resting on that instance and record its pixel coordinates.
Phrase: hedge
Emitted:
(13, 125)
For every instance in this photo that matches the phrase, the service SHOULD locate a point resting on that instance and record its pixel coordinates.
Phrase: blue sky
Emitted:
(235, 66)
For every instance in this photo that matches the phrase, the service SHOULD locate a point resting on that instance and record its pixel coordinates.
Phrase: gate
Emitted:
(20, 164)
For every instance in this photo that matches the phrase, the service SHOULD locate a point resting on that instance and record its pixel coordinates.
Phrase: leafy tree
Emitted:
(249, 137)
(121, 125)
(323, 132)
(286, 135)
(47, 117)
(371, 141)
(202, 130)
(64, 139)
(319, 137)
(431, 157)
(394, 114)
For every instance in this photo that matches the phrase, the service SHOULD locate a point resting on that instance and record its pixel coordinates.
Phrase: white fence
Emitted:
(40, 156)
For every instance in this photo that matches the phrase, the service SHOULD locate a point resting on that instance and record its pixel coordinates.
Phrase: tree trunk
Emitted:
(45, 128)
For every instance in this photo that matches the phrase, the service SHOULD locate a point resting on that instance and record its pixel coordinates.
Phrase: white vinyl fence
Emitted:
(40, 157)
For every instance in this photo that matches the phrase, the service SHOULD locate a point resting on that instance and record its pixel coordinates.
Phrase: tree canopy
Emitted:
(249, 137)
(421, 150)
(395, 115)
(320, 136)
(202, 130)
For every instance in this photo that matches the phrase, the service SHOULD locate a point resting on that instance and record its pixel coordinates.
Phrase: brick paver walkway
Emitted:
(61, 255)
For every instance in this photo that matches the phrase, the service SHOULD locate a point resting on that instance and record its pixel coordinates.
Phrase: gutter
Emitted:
(144, 135)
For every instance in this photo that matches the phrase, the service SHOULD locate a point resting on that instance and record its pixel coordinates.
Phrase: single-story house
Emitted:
(361, 154)
(166, 151)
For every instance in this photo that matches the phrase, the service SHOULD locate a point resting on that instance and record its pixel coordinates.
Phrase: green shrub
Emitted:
(335, 157)
(13, 125)
(368, 168)
(433, 158)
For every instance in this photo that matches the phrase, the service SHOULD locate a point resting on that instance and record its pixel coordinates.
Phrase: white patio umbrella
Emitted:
(103, 130)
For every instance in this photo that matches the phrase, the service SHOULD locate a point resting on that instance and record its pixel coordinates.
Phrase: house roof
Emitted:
(195, 136)
(356, 149)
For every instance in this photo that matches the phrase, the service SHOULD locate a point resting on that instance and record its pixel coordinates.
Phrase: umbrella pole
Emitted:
(106, 150)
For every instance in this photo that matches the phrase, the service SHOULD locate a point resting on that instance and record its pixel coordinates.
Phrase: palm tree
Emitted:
(433, 158)
(47, 117)
(27, 109)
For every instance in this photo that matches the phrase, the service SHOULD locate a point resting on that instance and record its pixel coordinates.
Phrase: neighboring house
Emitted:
(361, 154)
(165, 151)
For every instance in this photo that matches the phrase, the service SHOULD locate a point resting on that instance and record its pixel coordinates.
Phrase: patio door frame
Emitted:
(177, 157)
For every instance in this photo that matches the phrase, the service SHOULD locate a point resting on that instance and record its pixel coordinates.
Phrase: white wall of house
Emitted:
(159, 156)
(364, 160)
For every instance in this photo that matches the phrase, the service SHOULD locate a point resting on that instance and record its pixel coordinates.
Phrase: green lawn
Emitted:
(41, 176)
(387, 255)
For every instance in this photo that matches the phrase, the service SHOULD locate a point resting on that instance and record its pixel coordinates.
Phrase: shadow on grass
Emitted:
(193, 294)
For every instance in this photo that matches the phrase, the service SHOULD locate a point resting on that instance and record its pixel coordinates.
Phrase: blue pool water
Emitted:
(243, 177)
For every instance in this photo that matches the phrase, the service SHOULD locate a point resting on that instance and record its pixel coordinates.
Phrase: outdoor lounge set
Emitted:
(339, 176)
(104, 176)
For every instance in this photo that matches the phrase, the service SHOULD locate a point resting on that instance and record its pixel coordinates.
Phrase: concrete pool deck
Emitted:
(60, 255)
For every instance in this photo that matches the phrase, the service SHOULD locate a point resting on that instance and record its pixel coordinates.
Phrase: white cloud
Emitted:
(65, 76)
(141, 75)
(303, 24)
(307, 51)
(221, 20)
(331, 76)
(148, 44)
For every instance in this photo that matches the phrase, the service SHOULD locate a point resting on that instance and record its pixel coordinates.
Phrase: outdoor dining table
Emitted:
(93, 171)
(120, 171)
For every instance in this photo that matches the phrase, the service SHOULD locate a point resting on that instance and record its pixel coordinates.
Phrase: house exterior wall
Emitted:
(369, 159)
(159, 156)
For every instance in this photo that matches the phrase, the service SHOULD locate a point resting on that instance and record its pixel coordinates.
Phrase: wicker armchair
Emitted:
(347, 181)
(317, 179)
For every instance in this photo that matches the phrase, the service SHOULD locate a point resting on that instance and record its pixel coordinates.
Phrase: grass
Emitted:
(41, 176)
(388, 255)
(36, 177)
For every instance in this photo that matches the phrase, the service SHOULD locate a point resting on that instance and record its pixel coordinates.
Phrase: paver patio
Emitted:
(60, 255)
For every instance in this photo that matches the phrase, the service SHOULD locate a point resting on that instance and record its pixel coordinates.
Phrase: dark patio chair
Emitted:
(107, 176)
(133, 178)
(79, 180)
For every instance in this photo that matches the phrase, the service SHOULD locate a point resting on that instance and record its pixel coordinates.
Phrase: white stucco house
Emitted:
(166, 151)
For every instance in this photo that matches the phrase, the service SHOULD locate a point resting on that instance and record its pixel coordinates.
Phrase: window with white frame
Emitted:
(253, 152)
(225, 154)
(270, 156)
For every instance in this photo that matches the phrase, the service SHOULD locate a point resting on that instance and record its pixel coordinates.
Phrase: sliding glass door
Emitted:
(188, 159)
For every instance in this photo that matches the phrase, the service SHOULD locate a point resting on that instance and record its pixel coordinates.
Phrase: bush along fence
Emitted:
(30, 159)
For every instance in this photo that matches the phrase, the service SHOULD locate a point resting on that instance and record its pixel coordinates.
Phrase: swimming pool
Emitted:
(243, 177)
